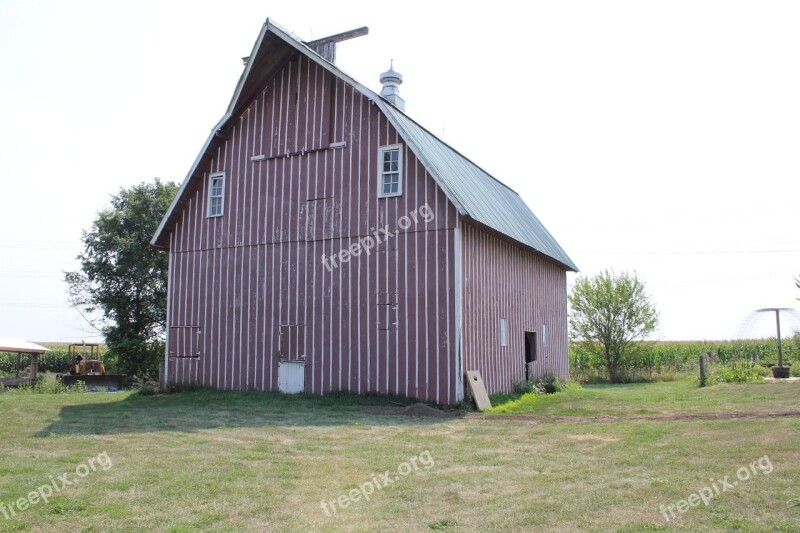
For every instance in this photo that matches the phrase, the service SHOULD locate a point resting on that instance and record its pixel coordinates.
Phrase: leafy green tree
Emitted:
(123, 280)
(608, 314)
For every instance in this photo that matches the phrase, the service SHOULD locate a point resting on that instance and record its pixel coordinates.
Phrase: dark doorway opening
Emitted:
(530, 353)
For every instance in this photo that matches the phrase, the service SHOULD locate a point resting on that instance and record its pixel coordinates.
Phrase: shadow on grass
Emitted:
(211, 409)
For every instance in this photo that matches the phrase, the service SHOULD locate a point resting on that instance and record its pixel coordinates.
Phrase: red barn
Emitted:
(324, 241)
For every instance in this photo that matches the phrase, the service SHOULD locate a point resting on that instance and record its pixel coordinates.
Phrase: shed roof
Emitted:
(474, 192)
(20, 346)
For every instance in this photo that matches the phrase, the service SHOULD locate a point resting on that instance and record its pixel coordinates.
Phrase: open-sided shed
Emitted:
(21, 346)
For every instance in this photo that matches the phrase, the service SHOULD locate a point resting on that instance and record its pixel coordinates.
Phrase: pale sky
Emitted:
(656, 137)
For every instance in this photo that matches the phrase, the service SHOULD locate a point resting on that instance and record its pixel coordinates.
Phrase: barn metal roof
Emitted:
(475, 193)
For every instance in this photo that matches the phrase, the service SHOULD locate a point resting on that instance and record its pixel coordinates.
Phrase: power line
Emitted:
(20, 274)
(691, 252)
(33, 305)
(43, 245)
(35, 242)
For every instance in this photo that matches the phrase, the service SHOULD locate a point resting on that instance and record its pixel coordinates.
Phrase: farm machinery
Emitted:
(86, 365)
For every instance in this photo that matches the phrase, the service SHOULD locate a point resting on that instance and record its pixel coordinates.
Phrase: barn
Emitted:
(325, 241)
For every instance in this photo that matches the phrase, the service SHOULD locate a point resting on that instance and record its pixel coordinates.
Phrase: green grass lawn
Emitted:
(655, 399)
(264, 462)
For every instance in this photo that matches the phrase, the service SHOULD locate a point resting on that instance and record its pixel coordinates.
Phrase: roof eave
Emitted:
(156, 241)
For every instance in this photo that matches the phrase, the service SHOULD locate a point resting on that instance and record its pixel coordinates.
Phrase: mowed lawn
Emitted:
(219, 461)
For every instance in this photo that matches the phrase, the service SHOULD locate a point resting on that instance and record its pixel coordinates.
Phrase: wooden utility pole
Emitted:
(702, 370)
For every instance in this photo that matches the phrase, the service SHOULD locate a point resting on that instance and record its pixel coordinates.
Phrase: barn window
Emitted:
(216, 194)
(390, 171)
(503, 332)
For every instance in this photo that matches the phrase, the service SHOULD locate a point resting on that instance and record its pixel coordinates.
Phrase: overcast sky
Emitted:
(656, 137)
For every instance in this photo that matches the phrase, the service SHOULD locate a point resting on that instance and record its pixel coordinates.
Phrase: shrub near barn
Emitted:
(609, 314)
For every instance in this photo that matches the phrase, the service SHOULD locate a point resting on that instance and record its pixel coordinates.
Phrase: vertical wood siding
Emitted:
(251, 284)
(502, 280)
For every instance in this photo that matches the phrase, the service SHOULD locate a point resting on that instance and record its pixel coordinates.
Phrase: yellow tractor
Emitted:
(86, 365)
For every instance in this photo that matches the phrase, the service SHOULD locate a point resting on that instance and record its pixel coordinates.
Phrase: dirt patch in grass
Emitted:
(598, 438)
(420, 410)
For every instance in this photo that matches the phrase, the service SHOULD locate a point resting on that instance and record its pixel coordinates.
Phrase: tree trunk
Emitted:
(612, 372)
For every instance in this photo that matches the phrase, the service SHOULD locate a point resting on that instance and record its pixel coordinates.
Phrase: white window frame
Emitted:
(382, 150)
(211, 178)
(503, 332)
(544, 334)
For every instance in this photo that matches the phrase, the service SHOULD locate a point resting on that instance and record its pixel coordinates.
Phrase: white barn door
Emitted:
(292, 376)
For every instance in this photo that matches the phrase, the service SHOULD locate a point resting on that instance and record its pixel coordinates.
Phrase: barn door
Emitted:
(387, 319)
(386, 294)
(319, 218)
(292, 376)
(387, 311)
(530, 353)
(184, 342)
(292, 362)
(292, 342)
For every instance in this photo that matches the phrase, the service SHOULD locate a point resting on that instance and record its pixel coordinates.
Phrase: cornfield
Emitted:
(664, 359)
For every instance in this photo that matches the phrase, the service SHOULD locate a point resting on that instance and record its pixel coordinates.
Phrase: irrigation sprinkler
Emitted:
(777, 311)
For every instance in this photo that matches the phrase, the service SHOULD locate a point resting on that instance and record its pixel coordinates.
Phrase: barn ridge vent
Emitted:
(391, 81)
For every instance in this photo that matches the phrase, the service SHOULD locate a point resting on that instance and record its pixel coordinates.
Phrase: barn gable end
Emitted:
(250, 287)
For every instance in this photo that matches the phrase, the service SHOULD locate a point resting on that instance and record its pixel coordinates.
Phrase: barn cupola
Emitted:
(391, 81)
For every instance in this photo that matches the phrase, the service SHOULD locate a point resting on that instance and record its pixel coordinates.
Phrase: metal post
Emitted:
(778, 323)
